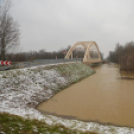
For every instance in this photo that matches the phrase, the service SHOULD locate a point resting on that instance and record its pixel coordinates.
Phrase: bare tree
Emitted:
(9, 30)
(124, 56)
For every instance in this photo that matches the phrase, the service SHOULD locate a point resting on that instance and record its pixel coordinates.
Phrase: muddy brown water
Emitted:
(103, 97)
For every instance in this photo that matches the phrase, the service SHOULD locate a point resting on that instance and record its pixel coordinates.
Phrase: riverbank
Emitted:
(106, 98)
(11, 124)
(23, 89)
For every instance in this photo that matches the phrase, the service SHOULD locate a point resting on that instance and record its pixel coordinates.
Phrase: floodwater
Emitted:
(103, 97)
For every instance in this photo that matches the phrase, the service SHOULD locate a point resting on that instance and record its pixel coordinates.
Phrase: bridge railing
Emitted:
(38, 62)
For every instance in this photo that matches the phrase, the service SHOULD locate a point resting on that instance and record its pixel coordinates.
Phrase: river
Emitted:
(103, 97)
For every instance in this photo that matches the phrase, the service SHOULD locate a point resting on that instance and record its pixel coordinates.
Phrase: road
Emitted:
(37, 63)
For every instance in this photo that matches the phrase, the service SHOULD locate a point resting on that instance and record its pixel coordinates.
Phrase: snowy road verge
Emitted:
(23, 89)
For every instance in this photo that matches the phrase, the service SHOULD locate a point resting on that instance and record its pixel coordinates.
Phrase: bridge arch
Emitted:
(87, 46)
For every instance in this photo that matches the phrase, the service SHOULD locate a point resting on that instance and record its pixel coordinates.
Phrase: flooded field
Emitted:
(103, 97)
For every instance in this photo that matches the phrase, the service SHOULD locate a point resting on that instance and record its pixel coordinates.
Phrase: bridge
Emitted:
(87, 47)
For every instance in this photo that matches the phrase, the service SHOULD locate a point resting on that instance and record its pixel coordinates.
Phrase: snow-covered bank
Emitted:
(21, 90)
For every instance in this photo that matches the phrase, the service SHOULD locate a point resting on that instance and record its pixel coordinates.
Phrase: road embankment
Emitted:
(22, 90)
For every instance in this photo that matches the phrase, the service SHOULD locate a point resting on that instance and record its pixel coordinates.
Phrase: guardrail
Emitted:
(37, 62)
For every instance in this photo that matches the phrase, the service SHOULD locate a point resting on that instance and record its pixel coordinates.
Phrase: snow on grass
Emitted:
(23, 89)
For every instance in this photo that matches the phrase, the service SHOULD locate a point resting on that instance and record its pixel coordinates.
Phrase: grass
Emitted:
(12, 124)
(75, 72)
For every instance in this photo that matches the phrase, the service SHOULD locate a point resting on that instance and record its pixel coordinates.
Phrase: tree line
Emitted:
(33, 55)
(123, 55)
(42, 54)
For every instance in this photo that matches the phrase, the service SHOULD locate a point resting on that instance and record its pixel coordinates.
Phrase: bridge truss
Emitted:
(87, 46)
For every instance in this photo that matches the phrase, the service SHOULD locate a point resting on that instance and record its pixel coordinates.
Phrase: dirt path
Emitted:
(103, 97)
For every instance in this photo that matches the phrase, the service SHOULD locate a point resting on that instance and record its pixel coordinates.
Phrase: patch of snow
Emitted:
(22, 90)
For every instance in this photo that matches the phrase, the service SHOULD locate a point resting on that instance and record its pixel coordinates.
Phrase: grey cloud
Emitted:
(52, 24)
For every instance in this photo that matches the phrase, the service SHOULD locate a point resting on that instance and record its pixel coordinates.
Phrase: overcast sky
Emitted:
(55, 24)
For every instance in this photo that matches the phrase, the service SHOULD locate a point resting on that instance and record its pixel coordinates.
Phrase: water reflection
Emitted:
(126, 74)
